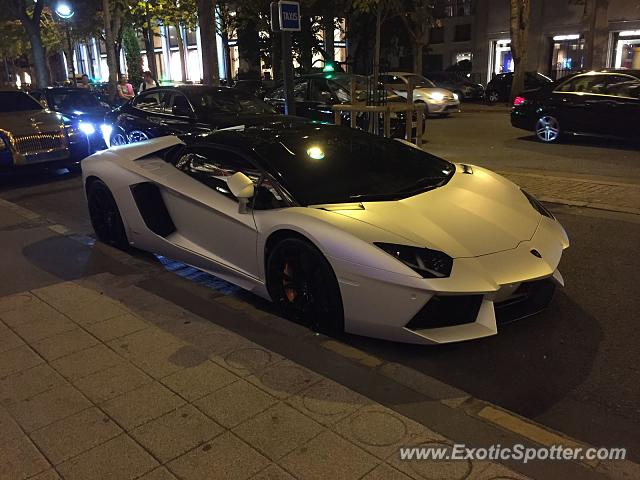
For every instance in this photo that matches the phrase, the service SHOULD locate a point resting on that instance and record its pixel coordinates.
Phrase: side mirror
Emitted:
(242, 188)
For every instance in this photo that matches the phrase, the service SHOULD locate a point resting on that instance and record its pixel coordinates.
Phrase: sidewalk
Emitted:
(92, 387)
(603, 195)
(130, 371)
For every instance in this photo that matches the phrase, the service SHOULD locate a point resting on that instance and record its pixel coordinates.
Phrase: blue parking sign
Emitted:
(289, 16)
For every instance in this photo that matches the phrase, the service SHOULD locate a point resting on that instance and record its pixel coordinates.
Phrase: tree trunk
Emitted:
(519, 26)
(151, 55)
(328, 27)
(249, 49)
(276, 56)
(208, 42)
(37, 52)
(418, 50)
(227, 58)
(110, 48)
(306, 44)
(182, 52)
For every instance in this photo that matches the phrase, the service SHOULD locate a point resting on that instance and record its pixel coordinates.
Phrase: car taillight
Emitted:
(519, 101)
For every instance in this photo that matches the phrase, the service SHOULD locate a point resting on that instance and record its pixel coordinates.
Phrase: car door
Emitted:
(619, 108)
(205, 213)
(146, 112)
(300, 94)
(575, 103)
(318, 101)
(178, 114)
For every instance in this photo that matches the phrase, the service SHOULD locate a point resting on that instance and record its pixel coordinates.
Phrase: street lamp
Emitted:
(65, 12)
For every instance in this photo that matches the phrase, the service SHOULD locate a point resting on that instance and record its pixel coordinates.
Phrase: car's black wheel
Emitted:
(303, 285)
(118, 138)
(136, 136)
(548, 129)
(105, 216)
(493, 96)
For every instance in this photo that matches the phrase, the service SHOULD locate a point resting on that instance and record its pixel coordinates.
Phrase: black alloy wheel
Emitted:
(105, 216)
(303, 285)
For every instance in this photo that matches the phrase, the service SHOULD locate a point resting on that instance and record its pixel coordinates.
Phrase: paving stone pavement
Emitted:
(603, 195)
(102, 380)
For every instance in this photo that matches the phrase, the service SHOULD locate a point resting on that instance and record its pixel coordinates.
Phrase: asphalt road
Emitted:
(487, 139)
(576, 366)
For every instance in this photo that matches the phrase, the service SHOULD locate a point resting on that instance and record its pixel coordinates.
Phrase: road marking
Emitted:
(352, 353)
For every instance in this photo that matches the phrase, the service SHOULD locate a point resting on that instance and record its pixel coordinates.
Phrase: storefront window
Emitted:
(502, 58)
(626, 44)
(567, 57)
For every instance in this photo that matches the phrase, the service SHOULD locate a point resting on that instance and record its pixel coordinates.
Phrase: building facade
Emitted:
(479, 30)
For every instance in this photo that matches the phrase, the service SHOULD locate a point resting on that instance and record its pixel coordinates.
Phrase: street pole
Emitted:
(285, 18)
(287, 74)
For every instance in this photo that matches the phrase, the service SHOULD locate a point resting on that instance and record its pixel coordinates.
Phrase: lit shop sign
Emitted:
(560, 38)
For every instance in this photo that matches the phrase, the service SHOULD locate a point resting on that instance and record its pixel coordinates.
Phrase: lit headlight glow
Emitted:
(455, 95)
(86, 128)
(437, 96)
(106, 130)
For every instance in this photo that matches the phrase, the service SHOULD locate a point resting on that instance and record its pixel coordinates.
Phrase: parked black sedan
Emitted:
(82, 109)
(185, 109)
(605, 103)
(499, 88)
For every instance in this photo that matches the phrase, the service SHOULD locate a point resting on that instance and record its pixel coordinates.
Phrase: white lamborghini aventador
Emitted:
(340, 228)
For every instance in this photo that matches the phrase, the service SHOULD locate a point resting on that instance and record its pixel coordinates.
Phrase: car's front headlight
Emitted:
(456, 97)
(535, 203)
(86, 128)
(437, 96)
(428, 263)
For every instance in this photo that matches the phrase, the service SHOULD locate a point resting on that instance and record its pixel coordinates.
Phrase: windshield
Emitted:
(72, 100)
(340, 165)
(420, 81)
(17, 102)
(217, 101)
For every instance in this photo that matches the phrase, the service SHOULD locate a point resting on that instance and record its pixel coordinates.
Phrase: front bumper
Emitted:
(481, 293)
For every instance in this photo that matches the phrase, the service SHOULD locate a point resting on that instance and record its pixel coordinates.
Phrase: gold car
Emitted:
(31, 134)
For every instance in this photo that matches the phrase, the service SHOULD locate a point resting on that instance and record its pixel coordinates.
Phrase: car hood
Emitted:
(35, 121)
(89, 115)
(472, 215)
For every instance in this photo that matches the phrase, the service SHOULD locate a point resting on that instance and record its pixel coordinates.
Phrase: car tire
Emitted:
(136, 136)
(105, 216)
(118, 137)
(493, 97)
(303, 285)
(547, 129)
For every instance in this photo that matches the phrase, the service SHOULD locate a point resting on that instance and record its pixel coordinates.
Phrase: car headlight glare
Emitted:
(106, 130)
(535, 203)
(455, 96)
(86, 128)
(428, 263)
(437, 96)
